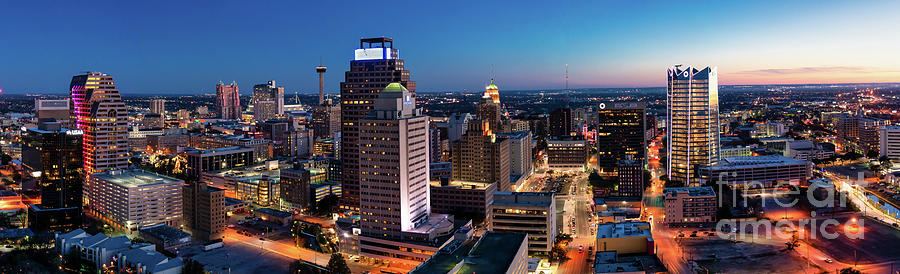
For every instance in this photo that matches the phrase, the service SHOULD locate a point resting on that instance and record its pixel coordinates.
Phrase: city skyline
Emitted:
(604, 44)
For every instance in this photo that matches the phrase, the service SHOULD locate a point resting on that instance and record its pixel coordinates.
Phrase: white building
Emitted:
(133, 198)
(805, 150)
(889, 143)
(395, 204)
(765, 171)
(520, 161)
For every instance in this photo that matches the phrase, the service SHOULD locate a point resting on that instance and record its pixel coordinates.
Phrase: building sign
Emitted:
(372, 54)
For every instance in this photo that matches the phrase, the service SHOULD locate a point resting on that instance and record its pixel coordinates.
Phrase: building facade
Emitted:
(482, 157)
(757, 171)
(690, 206)
(199, 161)
(204, 210)
(228, 101)
(131, 199)
(889, 138)
(567, 153)
(268, 101)
(375, 65)
(621, 129)
(528, 212)
(692, 123)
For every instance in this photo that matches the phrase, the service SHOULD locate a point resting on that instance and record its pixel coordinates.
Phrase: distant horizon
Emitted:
(288, 93)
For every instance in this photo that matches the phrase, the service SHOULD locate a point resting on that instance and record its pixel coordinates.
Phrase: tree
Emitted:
(850, 270)
(337, 264)
(886, 162)
(872, 154)
(192, 267)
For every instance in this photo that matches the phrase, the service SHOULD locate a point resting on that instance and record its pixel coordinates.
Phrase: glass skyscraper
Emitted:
(693, 121)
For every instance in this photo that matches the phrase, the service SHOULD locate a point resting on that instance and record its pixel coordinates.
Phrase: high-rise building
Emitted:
(101, 115)
(394, 195)
(621, 127)
(54, 153)
(480, 156)
(869, 135)
(375, 65)
(268, 101)
(520, 160)
(228, 101)
(204, 210)
(489, 106)
(294, 188)
(692, 121)
(158, 106)
(562, 123)
(60, 110)
(326, 119)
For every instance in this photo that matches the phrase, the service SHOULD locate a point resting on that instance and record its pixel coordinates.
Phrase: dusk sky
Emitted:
(188, 46)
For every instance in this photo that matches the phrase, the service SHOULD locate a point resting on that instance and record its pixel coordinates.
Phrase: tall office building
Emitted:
(228, 101)
(158, 106)
(481, 157)
(375, 65)
(489, 106)
(621, 127)
(693, 121)
(54, 153)
(60, 110)
(268, 101)
(396, 126)
(101, 115)
(394, 196)
(562, 123)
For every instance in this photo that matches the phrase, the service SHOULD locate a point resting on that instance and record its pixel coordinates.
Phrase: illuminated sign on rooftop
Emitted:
(372, 54)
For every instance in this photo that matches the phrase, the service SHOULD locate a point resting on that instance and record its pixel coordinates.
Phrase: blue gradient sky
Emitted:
(188, 46)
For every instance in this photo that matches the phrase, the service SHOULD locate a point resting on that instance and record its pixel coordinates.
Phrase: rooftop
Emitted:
(492, 253)
(463, 184)
(273, 212)
(135, 178)
(623, 230)
(523, 198)
(165, 233)
(692, 191)
(224, 149)
(755, 161)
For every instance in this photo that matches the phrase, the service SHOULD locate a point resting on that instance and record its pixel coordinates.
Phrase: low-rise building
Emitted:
(102, 250)
(757, 171)
(165, 237)
(274, 216)
(624, 237)
(806, 150)
(529, 212)
(690, 206)
(493, 252)
(732, 151)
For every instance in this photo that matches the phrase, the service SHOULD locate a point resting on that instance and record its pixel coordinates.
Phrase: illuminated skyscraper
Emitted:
(395, 200)
(375, 65)
(489, 106)
(621, 129)
(693, 121)
(101, 115)
(228, 101)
